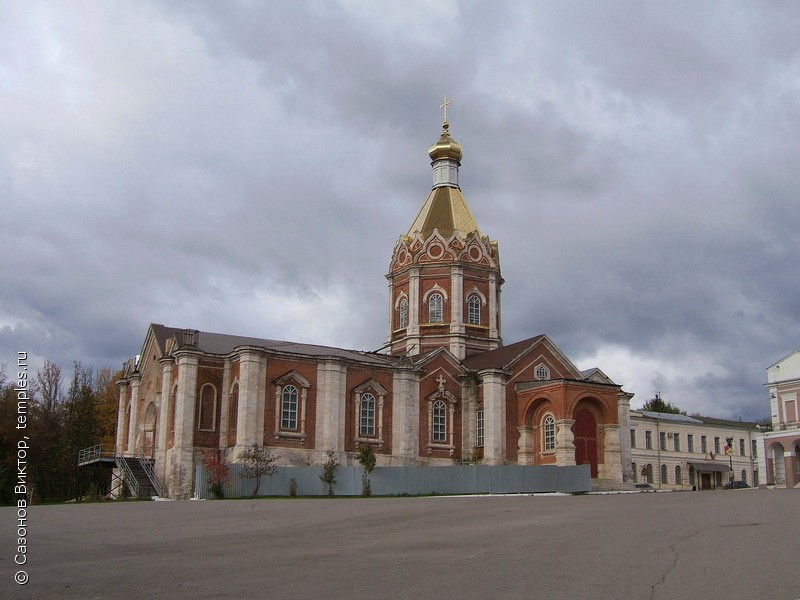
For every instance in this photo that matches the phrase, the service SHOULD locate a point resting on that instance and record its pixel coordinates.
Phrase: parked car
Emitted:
(735, 485)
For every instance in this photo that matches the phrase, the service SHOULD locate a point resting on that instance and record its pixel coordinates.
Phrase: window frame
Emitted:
(436, 308)
(201, 408)
(473, 309)
(548, 433)
(289, 418)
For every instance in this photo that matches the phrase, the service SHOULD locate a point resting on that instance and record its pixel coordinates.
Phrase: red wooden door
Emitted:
(584, 431)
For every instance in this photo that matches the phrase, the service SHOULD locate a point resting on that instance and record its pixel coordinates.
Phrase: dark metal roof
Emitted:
(220, 343)
(500, 358)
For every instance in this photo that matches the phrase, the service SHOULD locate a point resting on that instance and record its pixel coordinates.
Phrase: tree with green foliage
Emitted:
(329, 471)
(656, 404)
(258, 461)
(367, 460)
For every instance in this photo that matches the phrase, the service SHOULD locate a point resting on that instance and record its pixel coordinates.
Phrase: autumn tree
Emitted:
(217, 471)
(258, 461)
(329, 471)
(366, 458)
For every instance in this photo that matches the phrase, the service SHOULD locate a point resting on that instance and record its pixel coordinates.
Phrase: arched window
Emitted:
(648, 473)
(435, 314)
(664, 474)
(549, 437)
(744, 475)
(207, 413)
(635, 473)
(289, 407)
(233, 409)
(678, 474)
(474, 309)
(403, 312)
(367, 415)
(439, 422)
(691, 475)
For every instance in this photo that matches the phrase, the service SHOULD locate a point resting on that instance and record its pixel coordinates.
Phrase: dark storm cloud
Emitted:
(248, 169)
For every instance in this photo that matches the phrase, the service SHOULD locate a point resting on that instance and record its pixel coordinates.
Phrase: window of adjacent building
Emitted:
(676, 442)
(664, 478)
(741, 447)
(716, 445)
(367, 416)
(744, 475)
(289, 407)
(633, 438)
(678, 474)
(648, 473)
(542, 373)
(690, 442)
(755, 478)
(439, 422)
(662, 440)
(435, 302)
(691, 475)
(635, 474)
(703, 444)
(233, 409)
(648, 440)
(474, 309)
(207, 414)
(403, 313)
(479, 429)
(549, 427)
(754, 449)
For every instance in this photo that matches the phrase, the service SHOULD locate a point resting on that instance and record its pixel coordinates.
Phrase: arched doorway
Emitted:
(776, 466)
(584, 431)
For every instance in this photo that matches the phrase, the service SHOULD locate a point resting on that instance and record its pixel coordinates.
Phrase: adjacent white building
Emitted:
(682, 452)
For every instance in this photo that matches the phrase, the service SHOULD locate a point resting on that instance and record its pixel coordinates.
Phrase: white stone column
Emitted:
(458, 345)
(405, 418)
(414, 302)
(225, 403)
(133, 424)
(525, 449)
(252, 398)
(180, 476)
(331, 399)
(624, 416)
(494, 416)
(122, 426)
(162, 431)
(612, 463)
(565, 442)
(469, 417)
(494, 333)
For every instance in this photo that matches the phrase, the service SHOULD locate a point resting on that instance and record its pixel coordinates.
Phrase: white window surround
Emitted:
(548, 433)
(302, 384)
(450, 402)
(473, 309)
(436, 288)
(401, 306)
(436, 308)
(379, 392)
(542, 372)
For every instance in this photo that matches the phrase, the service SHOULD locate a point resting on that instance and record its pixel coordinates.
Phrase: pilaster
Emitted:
(494, 416)
(624, 417)
(405, 417)
(123, 387)
(252, 398)
(180, 470)
(162, 430)
(133, 424)
(331, 401)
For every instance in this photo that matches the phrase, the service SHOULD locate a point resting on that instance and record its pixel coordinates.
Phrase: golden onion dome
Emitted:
(446, 147)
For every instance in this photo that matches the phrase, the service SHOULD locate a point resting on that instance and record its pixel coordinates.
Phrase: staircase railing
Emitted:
(133, 484)
(151, 474)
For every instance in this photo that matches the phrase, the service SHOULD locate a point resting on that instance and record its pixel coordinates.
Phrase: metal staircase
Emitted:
(137, 472)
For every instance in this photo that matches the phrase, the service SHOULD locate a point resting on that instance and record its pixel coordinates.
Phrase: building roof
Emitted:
(670, 417)
(696, 419)
(502, 357)
(446, 210)
(221, 344)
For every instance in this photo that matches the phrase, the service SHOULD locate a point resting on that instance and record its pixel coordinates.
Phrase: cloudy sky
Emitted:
(247, 168)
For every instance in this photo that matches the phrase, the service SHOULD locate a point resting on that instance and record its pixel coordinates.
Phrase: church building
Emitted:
(445, 391)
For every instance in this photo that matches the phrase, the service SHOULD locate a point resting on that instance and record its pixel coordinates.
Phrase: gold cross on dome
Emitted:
(444, 106)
